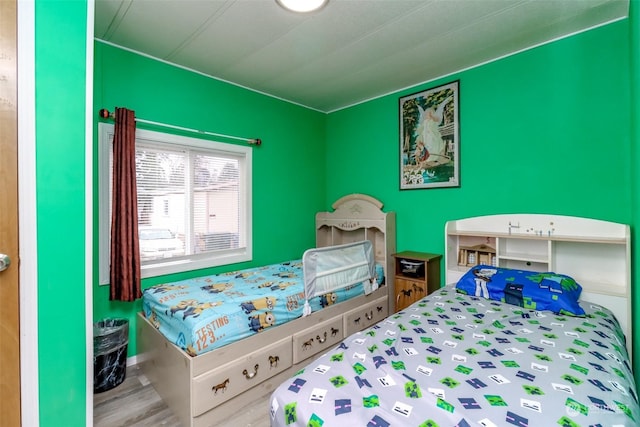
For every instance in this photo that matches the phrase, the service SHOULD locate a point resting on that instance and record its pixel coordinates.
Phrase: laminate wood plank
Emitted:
(135, 403)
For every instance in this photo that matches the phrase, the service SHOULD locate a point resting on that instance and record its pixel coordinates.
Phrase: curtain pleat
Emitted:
(125, 251)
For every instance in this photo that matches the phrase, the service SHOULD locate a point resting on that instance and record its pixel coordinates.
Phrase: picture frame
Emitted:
(430, 138)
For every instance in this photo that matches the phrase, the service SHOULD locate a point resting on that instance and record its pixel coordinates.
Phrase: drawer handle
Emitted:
(334, 331)
(273, 361)
(369, 315)
(321, 340)
(248, 375)
(222, 386)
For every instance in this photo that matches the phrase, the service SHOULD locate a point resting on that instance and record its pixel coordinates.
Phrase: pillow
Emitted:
(528, 289)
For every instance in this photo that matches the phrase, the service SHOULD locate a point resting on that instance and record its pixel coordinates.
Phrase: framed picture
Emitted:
(430, 138)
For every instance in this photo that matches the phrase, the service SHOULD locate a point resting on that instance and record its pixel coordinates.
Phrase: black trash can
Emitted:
(110, 342)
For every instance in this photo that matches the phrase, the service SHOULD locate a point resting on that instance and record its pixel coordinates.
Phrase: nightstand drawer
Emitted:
(417, 274)
(408, 289)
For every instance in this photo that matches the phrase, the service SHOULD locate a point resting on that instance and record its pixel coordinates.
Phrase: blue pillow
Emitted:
(528, 289)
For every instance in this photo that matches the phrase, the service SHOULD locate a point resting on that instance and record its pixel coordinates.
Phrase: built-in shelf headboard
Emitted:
(596, 253)
(359, 217)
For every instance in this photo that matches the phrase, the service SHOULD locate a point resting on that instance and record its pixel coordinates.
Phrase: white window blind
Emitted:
(193, 202)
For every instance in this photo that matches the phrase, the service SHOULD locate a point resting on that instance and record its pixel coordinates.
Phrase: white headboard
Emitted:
(359, 217)
(596, 253)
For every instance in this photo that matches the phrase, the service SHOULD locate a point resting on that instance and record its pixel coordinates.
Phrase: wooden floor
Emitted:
(136, 403)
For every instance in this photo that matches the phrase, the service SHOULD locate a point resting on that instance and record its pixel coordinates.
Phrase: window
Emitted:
(194, 202)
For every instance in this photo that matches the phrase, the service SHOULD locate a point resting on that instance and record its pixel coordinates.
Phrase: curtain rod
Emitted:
(105, 114)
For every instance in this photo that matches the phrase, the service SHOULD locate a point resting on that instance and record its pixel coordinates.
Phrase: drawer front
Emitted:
(408, 291)
(413, 289)
(365, 316)
(229, 380)
(310, 341)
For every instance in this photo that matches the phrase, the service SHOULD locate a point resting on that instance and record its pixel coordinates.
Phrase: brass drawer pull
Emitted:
(321, 340)
(369, 315)
(248, 375)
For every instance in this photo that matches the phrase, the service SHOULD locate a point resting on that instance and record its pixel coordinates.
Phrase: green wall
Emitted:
(544, 131)
(288, 168)
(60, 190)
(634, 74)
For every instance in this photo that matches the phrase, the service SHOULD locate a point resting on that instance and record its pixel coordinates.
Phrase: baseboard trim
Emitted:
(133, 360)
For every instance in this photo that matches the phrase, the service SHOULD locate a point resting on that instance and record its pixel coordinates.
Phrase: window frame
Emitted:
(188, 262)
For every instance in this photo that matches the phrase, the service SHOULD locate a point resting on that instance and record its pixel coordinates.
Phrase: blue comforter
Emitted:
(205, 313)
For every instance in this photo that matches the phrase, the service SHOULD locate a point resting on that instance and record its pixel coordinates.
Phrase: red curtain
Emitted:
(125, 249)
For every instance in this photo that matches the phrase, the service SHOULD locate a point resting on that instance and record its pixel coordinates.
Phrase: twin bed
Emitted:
(505, 343)
(205, 313)
(459, 360)
(208, 360)
(485, 351)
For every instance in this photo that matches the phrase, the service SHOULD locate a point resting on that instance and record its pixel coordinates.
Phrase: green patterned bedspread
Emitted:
(456, 360)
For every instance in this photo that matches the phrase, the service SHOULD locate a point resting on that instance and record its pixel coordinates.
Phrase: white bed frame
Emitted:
(205, 389)
(596, 253)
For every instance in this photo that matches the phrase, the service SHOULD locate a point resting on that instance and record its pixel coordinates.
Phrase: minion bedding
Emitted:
(457, 359)
(205, 313)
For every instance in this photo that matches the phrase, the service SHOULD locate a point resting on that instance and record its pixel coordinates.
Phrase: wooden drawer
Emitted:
(229, 380)
(310, 341)
(409, 291)
(365, 316)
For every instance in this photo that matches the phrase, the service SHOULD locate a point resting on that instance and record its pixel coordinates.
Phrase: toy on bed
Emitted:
(520, 355)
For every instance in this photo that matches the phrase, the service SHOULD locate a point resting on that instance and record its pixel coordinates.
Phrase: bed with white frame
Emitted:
(505, 342)
(596, 253)
(206, 388)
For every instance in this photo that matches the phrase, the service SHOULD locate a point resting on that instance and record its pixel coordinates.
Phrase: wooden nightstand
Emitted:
(417, 274)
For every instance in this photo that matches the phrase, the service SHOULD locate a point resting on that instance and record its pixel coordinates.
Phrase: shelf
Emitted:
(552, 237)
(542, 259)
(410, 279)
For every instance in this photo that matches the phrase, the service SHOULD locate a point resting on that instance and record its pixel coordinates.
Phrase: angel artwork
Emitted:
(429, 138)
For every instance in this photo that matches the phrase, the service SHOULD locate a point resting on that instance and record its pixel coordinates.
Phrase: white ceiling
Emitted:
(348, 52)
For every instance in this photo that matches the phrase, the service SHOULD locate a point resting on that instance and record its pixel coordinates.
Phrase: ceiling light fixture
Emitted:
(302, 6)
